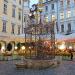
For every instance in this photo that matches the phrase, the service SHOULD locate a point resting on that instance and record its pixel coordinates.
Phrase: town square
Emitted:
(37, 37)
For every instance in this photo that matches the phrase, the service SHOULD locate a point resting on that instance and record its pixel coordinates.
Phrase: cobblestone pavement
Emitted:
(65, 68)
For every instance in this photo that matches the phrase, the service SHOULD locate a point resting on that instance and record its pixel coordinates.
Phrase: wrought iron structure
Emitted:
(35, 29)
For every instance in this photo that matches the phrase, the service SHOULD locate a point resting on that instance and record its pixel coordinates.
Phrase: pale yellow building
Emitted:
(11, 22)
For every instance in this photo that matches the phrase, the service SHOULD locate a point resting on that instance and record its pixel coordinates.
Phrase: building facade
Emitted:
(63, 13)
(26, 15)
(11, 21)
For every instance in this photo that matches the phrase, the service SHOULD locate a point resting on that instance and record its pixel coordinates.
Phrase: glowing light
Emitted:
(62, 47)
(16, 47)
(23, 47)
(34, 13)
(70, 47)
(29, 47)
(3, 47)
(30, 14)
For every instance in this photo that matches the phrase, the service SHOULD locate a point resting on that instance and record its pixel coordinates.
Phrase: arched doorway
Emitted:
(2, 46)
(11, 46)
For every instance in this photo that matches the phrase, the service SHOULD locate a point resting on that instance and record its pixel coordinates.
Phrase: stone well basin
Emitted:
(36, 64)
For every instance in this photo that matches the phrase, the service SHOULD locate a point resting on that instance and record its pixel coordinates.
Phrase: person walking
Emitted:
(71, 55)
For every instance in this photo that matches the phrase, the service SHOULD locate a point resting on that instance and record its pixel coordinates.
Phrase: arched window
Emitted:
(62, 28)
(69, 27)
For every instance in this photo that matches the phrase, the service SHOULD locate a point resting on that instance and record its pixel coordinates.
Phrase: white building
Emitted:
(26, 14)
(11, 22)
(63, 13)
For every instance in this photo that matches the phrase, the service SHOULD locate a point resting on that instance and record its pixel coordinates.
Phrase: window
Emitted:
(52, 6)
(13, 11)
(74, 1)
(69, 27)
(68, 14)
(53, 17)
(61, 15)
(20, 2)
(24, 18)
(46, 19)
(5, 8)
(68, 2)
(24, 30)
(46, 8)
(47, 29)
(19, 30)
(62, 28)
(19, 15)
(46, 0)
(4, 26)
(13, 26)
(61, 3)
(74, 12)
(5, 0)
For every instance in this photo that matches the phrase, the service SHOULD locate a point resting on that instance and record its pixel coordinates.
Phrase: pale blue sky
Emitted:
(33, 2)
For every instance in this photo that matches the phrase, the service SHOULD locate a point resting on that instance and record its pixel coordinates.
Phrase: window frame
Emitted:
(4, 26)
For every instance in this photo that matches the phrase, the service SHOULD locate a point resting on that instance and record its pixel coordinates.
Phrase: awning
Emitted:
(61, 37)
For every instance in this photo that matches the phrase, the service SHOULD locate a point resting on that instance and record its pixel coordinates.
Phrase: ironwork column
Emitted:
(52, 39)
